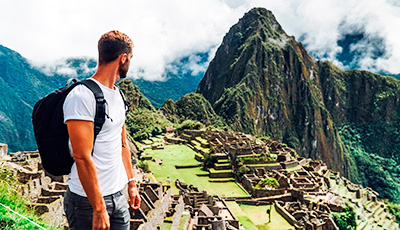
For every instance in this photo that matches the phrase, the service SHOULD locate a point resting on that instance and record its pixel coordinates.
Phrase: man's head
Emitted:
(111, 45)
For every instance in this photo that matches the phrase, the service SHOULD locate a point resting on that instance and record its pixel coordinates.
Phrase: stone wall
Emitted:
(178, 213)
(44, 191)
(268, 192)
(3, 150)
(285, 214)
(156, 216)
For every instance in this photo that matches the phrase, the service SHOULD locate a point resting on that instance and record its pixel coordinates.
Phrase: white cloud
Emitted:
(45, 31)
(323, 23)
(163, 31)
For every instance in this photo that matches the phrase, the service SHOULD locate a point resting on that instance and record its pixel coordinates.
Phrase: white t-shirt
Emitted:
(80, 104)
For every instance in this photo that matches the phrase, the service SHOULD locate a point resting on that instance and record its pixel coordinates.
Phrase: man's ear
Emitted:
(123, 57)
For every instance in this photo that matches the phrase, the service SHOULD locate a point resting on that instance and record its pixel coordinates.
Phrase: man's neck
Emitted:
(107, 75)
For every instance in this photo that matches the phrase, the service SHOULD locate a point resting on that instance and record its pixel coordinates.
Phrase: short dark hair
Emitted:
(112, 44)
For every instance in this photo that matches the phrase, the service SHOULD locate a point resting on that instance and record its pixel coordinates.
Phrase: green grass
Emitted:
(248, 155)
(212, 170)
(241, 215)
(147, 142)
(246, 223)
(156, 138)
(222, 161)
(261, 165)
(222, 180)
(183, 220)
(166, 226)
(295, 168)
(202, 140)
(197, 146)
(223, 164)
(255, 217)
(259, 217)
(182, 155)
(11, 198)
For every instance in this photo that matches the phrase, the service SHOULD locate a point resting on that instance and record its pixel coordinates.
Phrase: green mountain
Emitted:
(21, 86)
(142, 119)
(192, 106)
(262, 81)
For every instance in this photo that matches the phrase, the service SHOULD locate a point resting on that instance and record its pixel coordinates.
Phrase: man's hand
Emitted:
(134, 197)
(101, 221)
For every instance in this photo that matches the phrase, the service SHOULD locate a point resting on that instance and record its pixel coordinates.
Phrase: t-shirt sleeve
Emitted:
(79, 104)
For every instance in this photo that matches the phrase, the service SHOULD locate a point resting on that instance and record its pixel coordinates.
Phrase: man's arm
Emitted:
(134, 198)
(81, 134)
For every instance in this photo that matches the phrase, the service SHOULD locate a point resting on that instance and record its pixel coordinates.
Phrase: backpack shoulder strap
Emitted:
(126, 103)
(100, 116)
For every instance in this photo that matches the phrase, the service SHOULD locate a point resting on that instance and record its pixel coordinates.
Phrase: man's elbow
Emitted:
(79, 159)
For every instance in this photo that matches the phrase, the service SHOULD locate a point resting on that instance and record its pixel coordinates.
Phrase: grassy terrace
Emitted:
(197, 146)
(261, 165)
(147, 142)
(166, 226)
(157, 138)
(212, 170)
(248, 155)
(223, 161)
(295, 168)
(255, 217)
(173, 155)
(202, 140)
(222, 164)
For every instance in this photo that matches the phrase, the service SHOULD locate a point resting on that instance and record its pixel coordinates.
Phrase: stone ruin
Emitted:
(206, 212)
(45, 191)
(304, 214)
(156, 200)
(3, 150)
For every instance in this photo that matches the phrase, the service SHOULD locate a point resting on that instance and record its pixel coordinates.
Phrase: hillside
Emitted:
(21, 86)
(264, 82)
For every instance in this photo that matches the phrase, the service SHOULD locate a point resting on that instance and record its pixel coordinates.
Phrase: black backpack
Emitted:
(50, 131)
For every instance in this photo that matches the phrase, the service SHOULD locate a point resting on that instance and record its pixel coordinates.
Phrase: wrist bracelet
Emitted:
(132, 179)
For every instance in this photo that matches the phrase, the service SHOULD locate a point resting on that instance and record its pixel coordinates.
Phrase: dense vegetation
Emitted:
(346, 220)
(395, 210)
(374, 169)
(10, 197)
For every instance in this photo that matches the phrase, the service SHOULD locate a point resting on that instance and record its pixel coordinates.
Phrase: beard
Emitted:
(123, 70)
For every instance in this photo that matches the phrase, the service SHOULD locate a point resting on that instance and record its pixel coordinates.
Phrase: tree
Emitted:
(268, 182)
(346, 220)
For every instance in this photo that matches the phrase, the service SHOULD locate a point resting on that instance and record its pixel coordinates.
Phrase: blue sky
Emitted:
(47, 31)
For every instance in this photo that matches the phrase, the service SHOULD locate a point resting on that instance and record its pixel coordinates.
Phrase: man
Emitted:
(94, 198)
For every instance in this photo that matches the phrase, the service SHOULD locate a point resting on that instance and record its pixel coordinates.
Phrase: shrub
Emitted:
(243, 170)
(268, 182)
(190, 124)
(143, 165)
(209, 161)
(345, 220)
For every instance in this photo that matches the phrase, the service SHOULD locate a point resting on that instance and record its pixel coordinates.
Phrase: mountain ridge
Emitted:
(261, 81)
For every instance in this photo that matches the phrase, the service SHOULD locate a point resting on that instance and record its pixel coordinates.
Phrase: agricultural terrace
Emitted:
(254, 217)
(182, 155)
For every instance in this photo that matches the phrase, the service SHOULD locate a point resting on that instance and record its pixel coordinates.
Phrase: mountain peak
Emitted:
(257, 35)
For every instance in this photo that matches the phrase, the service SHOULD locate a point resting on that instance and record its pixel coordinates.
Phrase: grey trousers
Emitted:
(79, 211)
